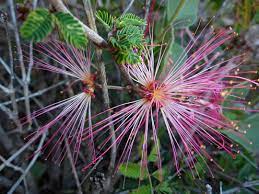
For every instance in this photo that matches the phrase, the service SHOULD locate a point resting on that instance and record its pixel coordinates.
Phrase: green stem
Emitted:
(172, 19)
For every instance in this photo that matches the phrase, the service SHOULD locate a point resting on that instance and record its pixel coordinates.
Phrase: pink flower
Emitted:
(73, 112)
(187, 101)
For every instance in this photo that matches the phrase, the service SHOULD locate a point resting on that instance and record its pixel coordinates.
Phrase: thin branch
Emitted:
(5, 89)
(70, 158)
(117, 87)
(18, 152)
(126, 76)
(147, 7)
(245, 184)
(128, 7)
(20, 58)
(110, 87)
(28, 77)
(5, 141)
(91, 19)
(5, 66)
(8, 69)
(11, 115)
(38, 93)
(241, 185)
(22, 177)
(209, 189)
(5, 183)
(10, 165)
(173, 17)
(11, 70)
(92, 35)
(90, 172)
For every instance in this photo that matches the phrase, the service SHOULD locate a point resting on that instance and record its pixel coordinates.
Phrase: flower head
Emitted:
(187, 101)
(73, 112)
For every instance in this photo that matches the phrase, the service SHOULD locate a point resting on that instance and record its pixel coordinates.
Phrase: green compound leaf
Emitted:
(71, 30)
(126, 36)
(129, 37)
(105, 18)
(38, 25)
(129, 19)
(129, 57)
(133, 170)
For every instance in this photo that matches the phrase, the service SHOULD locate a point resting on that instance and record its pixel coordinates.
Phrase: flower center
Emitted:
(158, 94)
(88, 84)
(154, 92)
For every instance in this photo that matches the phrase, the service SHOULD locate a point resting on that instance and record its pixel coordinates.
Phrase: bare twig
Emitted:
(128, 7)
(5, 66)
(90, 16)
(220, 187)
(11, 70)
(18, 152)
(11, 115)
(244, 185)
(5, 183)
(92, 35)
(126, 76)
(38, 93)
(28, 76)
(10, 165)
(121, 88)
(70, 158)
(8, 69)
(147, 7)
(20, 58)
(241, 185)
(90, 171)
(5, 89)
(22, 177)
(5, 141)
(209, 189)
(117, 87)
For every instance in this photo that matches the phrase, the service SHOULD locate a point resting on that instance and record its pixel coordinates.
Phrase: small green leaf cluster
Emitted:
(40, 23)
(126, 35)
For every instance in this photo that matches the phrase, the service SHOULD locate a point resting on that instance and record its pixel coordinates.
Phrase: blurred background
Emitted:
(32, 89)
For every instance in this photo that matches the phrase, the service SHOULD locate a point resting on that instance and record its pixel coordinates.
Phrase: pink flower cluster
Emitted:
(186, 100)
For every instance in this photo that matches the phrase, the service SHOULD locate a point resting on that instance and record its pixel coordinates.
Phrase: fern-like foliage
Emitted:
(38, 25)
(126, 35)
(129, 19)
(71, 30)
(130, 37)
(127, 38)
(105, 18)
(123, 57)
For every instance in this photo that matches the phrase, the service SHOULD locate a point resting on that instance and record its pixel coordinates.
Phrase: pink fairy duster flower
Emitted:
(73, 111)
(187, 101)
